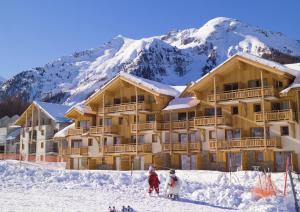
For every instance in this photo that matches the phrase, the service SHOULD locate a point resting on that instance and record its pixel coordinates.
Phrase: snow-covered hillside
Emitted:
(175, 58)
(32, 187)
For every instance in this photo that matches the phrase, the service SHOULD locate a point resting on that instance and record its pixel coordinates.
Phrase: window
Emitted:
(233, 134)
(108, 122)
(101, 122)
(90, 142)
(120, 120)
(231, 86)
(42, 132)
(278, 84)
(141, 98)
(191, 115)
(257, 108)
(257, 83)
(182, 138)
(280, 106)
(55, 131)
(284, 130)
(213, 157)
(22, 146)
(234, 110)
(259, 157)
(117, 101)
(212, 134)
(105, 141)
(211, 111)
(154, 138)
(42, 145)
(181, 116)
(76, 143)
(150, 117)
(94, 121)
(258, 132)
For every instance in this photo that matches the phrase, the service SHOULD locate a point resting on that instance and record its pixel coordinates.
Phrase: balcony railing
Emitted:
(77, 131)
(128, 148)
(181, 146)
(125, 107)
(280, 115)
(245, 143)
(243, 94)
(210, 120)
(65, 151)
(144, 126)
(107, 129)
(80, 151)
(178, 124)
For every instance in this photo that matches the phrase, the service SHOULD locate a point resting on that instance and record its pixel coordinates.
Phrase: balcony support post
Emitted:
(103, 123)
(170, 132)
(188, 133)
(215, 105)
(263, 108)
(136, 120)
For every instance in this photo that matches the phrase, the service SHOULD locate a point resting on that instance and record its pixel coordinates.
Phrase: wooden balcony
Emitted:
(79, 151)
(76, 131)
(176, 125)
(245, 143)
(280, 115)
(143, 126)
(107, 129)
(65, 151)
(193, 146)
(243, 94)
(128, 148)
(210, 120)
(127, 107)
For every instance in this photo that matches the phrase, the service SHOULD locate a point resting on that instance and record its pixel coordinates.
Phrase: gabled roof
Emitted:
(80, 108)
(296, 83)
(249, 58)
(64, 132)
(13, 134)
(146, 84)
(54, 111)
(182, 103)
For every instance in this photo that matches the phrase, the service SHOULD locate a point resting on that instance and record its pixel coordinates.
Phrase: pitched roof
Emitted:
(13, 134)
(182, 103)
(54, 111)
(147, 84)
(63, 133)
(253, 58)
(296, 83)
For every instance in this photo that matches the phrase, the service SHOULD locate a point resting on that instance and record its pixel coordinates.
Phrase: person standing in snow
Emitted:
(173, 185)
(153, 181)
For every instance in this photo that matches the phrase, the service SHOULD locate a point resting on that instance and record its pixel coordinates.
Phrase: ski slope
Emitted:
(48, 187)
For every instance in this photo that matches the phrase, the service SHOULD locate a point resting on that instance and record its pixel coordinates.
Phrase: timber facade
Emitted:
(235, 118)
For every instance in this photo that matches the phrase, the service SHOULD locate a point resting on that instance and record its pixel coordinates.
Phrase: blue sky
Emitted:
(34, 32)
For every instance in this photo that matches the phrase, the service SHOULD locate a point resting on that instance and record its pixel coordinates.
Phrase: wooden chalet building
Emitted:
(244, 113)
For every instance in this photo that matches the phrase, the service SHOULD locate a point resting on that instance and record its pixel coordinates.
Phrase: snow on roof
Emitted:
(150, 84)
(179, 88)
(182, 103)
(13, 134)
(254, 58)
(296, 83)
(82, 108)
(54, 111)
(63, 133)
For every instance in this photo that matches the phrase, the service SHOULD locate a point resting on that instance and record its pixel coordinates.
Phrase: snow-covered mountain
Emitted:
(175, 58)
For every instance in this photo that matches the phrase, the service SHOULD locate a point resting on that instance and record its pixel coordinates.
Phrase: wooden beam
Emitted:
(136, 119)
(103, 123)
(170, 132)
(215, 106)
(263, 108)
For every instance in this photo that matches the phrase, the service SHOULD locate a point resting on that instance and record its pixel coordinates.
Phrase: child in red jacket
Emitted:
(153, 181)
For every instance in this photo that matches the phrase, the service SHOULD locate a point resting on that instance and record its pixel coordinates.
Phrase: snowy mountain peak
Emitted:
(175, 58)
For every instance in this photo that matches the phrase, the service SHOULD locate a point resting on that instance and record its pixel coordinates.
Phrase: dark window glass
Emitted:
(181, 116)
(257, 108)
(284, 130)
(231, 86)
(117, 101)
(234, 110)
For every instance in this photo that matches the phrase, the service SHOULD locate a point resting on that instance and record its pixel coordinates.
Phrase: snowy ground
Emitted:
(47, 187)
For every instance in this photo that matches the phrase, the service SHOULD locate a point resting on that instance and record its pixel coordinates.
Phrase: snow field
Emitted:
(46, 187)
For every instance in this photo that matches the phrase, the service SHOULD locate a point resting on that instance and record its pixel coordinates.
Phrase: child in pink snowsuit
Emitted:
(153, 180)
